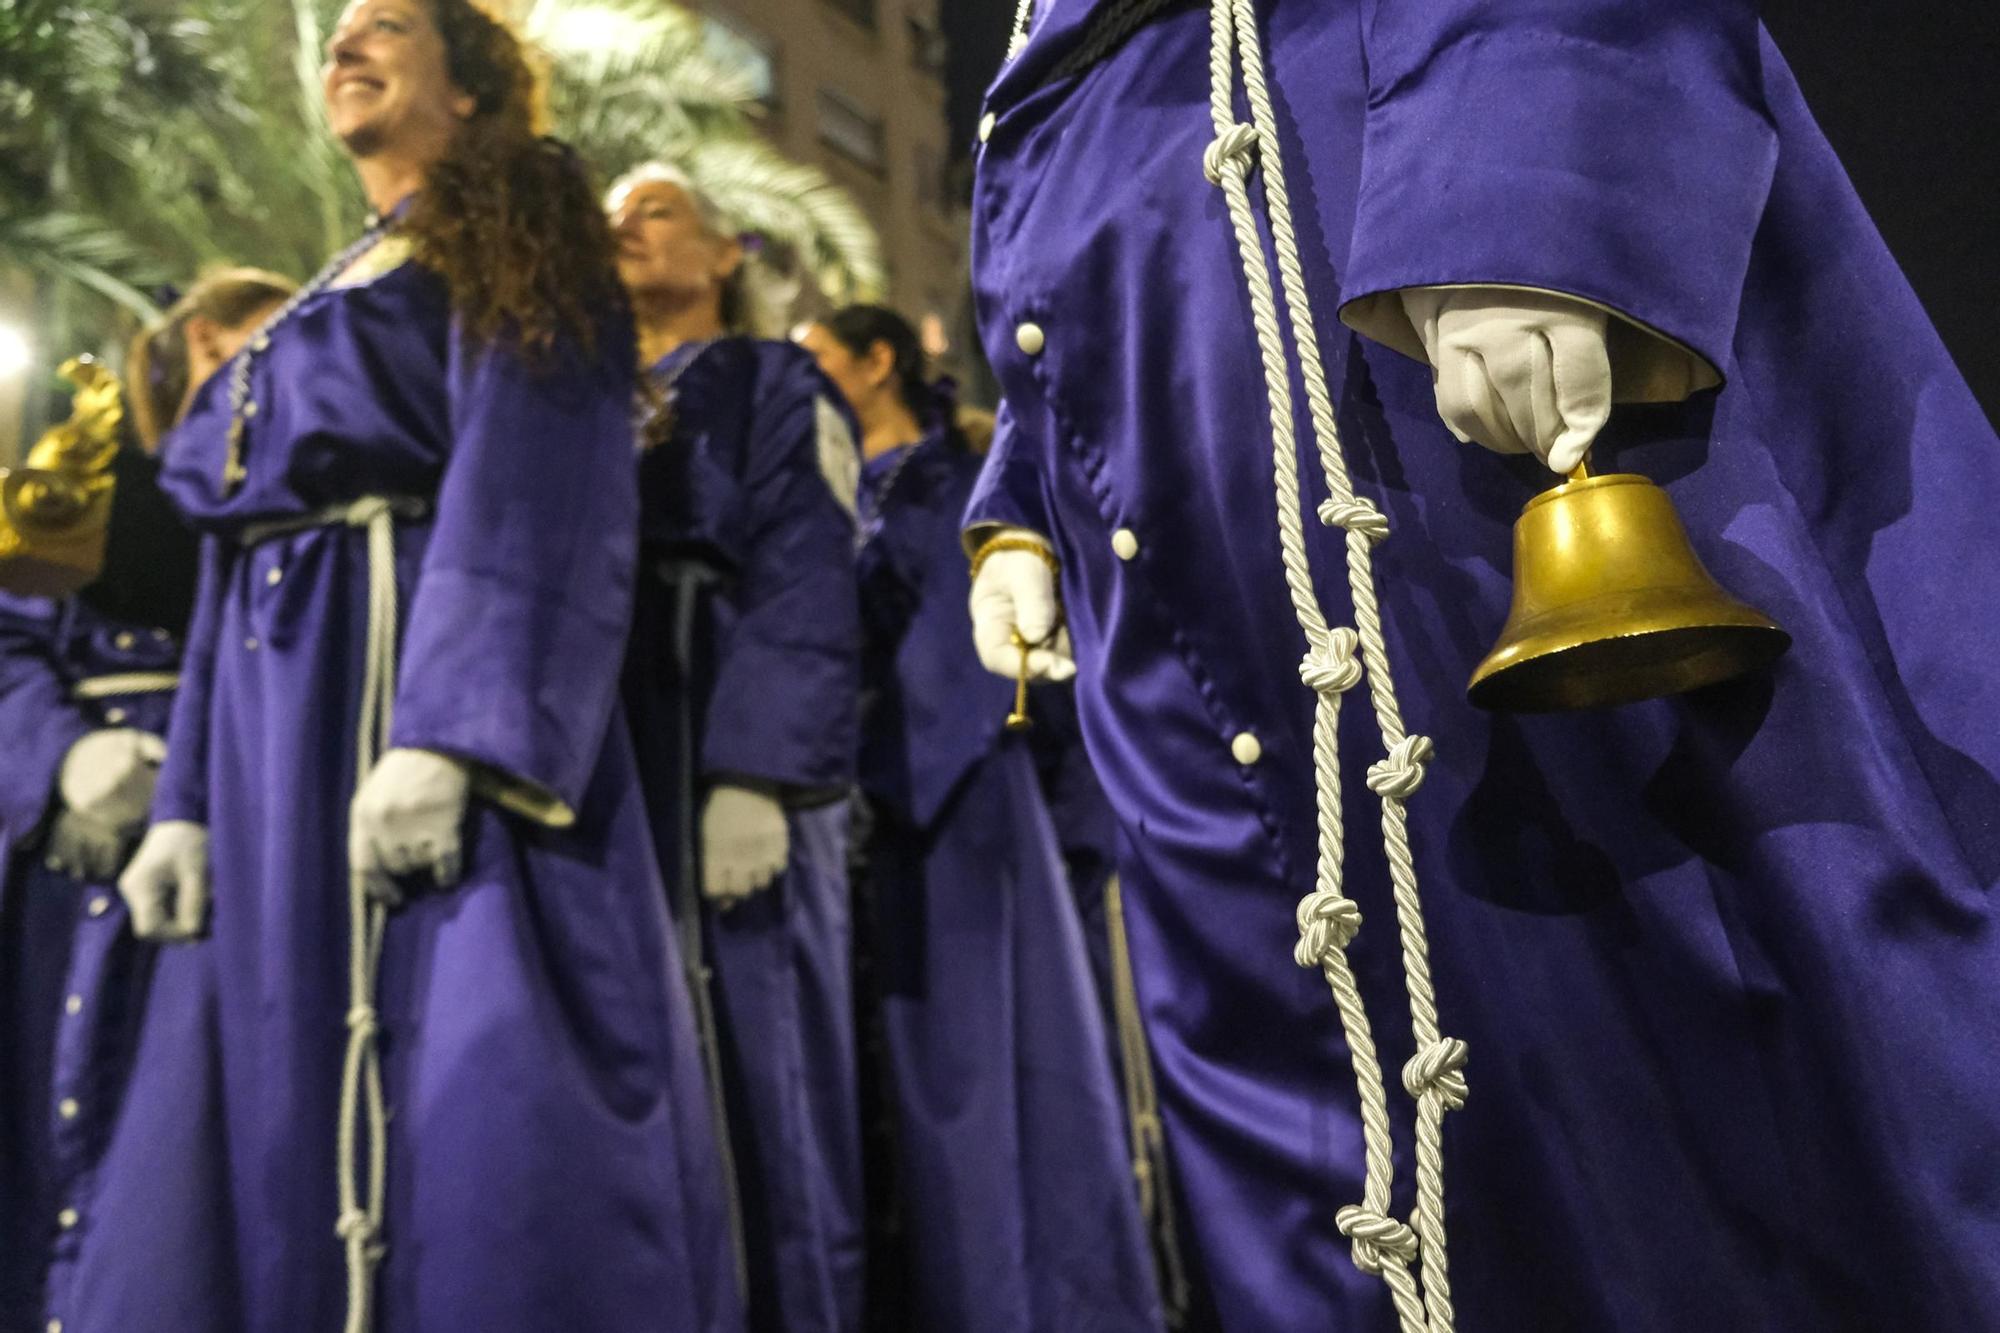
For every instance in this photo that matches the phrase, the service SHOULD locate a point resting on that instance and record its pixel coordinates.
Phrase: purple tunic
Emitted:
(1017, 1188)
(744, 666)
(550, 1158)
(1727, 962)
(72, 978)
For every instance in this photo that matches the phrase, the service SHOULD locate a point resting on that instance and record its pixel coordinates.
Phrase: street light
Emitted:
(16, 352)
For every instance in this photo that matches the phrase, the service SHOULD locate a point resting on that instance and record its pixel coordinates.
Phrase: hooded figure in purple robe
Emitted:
(1713, 979)
(741, 684)
(423, 1054)
(86, 687)
(1013, 1178)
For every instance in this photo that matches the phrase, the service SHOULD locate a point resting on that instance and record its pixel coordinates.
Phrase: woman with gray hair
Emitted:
(742, 681)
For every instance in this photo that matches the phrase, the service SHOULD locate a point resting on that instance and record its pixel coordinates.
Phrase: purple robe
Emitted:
(550, 1160)
(744, 667)
(1727, 963)
(1016, 1183)
(72, 978)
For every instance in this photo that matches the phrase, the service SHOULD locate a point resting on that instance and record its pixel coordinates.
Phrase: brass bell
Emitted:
(1611, 605)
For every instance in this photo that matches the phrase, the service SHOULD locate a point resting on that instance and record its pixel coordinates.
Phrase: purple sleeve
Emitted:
(1617, 150)
(953, 707)
(788, 672)
(182, 792)
(36, 716)
(1009, 488)
(518, 623)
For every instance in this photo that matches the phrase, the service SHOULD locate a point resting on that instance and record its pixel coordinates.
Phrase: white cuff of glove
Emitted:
(1518, 371)
(1015, 593)
(406, 819)
(166, 886)
(105, 787)
(745, 842)
(109, 775)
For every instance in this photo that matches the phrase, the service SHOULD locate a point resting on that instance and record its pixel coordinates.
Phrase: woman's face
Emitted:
(386, 81)
(664, 247)
(860, 379)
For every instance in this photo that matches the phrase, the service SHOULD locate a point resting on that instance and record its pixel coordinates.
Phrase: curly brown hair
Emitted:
(509, 217)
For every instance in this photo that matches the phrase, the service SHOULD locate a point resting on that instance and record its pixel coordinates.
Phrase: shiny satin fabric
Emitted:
(72, 978)
(1015, 1184)
(550, 1156)
(1726, 963)
(743, 666)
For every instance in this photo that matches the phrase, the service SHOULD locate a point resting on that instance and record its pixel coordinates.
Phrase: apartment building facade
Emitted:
(858, 88)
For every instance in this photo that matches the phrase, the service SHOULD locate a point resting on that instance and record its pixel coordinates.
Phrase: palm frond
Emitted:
(83, 250)
(632, 81)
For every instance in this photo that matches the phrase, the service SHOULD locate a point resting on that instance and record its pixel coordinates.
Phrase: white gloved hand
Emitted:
(1016, 592)
(166, 886)
(744, 843)
(407, 818)
(106, 785)
(1517, 371)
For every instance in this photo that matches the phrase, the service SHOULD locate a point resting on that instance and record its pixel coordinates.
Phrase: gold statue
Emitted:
(56, 508)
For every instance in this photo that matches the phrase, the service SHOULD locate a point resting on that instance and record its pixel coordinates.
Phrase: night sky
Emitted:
(1905, 93)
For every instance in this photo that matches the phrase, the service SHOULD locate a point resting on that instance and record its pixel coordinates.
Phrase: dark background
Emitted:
(1906, 93)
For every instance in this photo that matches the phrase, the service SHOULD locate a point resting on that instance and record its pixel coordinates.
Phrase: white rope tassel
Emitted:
(1409, 1258)
(363, 1118)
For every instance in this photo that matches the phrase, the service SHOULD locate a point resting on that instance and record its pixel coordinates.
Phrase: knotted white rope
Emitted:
(363, 1117)
(1410, 1258)
(1018, 36)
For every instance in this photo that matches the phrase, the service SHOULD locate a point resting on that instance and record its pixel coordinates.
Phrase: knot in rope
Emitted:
(1328, 922)
(354, 1224)
(1356, 514)
(1332, 668)
(1437, 1068)
(361, 1020)
(1375, 1236)
(1398, 776)
(1233, 147)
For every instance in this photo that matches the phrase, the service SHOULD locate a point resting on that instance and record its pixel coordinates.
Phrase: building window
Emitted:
(851, 129)
(861, 11)
(927, 47)
(933, 180)
(737, 48)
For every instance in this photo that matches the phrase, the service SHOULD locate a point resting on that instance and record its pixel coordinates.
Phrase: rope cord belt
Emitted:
(1410, 1257)
(125, 682)
(363, 1125)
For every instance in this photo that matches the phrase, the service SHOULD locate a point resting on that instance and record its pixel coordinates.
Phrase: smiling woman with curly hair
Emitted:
(420, 1049)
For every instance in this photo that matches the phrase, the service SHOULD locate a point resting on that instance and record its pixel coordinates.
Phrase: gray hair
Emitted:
(754, 300)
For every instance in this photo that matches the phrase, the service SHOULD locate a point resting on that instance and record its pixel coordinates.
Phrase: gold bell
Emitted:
(1611, 605)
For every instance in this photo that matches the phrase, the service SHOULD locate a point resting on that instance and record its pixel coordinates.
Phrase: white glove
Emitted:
(106, 785)
(406, 818)
(744, 843)
(166, 886)
(1518, 371)
(1016, 592)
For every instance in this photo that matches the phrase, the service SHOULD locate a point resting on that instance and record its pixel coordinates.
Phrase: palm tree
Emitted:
(143, 139)
(631, 81)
